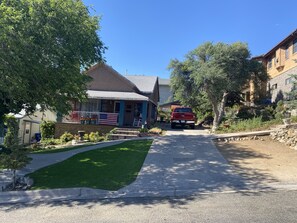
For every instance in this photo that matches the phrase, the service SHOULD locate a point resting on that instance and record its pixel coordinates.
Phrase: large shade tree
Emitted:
(44, 46)
(215, 70)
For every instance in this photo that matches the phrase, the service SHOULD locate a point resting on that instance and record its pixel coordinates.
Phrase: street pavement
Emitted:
(260, 207)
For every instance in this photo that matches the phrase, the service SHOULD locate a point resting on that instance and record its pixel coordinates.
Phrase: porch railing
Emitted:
(92, 118)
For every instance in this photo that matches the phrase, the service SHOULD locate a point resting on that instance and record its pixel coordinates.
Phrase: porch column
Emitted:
(122, 113)
(144, 113)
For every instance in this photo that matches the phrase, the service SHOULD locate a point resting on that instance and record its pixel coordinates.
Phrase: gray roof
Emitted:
(116, 95)
(145, 84)
(163, 81)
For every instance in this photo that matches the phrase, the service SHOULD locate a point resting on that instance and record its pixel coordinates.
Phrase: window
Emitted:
(289, 80)
(274, 86)
(269, 63)
(287, 53)
(295, 45)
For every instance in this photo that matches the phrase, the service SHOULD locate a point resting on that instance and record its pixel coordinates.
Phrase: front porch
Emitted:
(112, 112)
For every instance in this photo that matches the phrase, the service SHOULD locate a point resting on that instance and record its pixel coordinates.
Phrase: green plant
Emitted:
(11, 136)
(50, 141)
(86, 136)
(155, 130)
(95, 137)
(66, 137)
(14, 160)
(143, 130)
(47, 129)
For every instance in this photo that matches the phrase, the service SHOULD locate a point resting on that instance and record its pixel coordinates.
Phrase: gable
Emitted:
(106, 78)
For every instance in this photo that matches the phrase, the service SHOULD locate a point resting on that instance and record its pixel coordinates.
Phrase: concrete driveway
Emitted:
(186, 161)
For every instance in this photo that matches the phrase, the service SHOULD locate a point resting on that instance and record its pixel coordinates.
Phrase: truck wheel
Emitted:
(172, 125)
(192, 126)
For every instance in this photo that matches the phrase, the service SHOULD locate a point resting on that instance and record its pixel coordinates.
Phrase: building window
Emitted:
(295, 46)
(289, 80)
(269, 64)
(274, 86)
(287, 53)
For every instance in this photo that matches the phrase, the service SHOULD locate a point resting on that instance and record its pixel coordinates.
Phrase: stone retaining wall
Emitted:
(288, 136)
(73, 128)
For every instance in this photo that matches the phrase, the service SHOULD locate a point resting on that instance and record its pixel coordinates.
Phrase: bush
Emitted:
(50, 142)
(95, 137)
(86, 136)
(155, 130)
(143, 130)
(66, 137)
(47, 129)
(11, 136)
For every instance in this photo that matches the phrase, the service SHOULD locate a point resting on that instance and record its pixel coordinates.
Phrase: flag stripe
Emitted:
(108, 118)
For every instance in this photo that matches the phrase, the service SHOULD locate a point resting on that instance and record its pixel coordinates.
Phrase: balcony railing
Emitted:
(92, 118)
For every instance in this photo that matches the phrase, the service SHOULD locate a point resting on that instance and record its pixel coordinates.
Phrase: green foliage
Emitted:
(213, 71)
(95, 137)
(11, 137)
(86, 136)
(143, 130)
(253, 124)
(44, 46)
(281, 110)
(47, 129)
(15, 159)
(50, 142)
(66, 137)
(155, 130)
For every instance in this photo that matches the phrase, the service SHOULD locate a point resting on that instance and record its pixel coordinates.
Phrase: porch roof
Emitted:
(116, 95)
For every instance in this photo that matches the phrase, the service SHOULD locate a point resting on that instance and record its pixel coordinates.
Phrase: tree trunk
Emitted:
(219, 112)
(13, 179)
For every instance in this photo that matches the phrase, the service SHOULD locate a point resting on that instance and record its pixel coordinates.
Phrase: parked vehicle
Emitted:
(183, 116)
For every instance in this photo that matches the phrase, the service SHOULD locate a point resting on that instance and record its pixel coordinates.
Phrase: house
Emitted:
(165, 91)
(280, 62)
(116, 100)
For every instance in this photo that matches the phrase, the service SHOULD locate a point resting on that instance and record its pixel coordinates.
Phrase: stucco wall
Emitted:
(280, 80)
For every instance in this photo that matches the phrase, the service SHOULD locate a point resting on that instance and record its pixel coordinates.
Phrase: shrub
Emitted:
(95, 137)
(155, 130)
(11, 136)
(143, 130)
(86, 136)
(47, 129)
(66, 137)
(50, 142)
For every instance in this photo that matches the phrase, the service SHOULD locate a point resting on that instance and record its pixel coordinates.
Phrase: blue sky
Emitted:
(142, 36)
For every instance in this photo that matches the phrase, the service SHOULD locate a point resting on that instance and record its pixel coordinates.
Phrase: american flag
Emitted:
(108, 119)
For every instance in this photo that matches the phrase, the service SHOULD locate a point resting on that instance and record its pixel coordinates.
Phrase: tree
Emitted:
(44, 46)
(217, 70)
(16, 158)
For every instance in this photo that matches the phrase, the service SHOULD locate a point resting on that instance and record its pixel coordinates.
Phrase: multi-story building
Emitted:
(280, 63)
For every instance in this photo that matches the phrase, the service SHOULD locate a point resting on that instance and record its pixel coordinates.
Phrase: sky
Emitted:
(142, 36)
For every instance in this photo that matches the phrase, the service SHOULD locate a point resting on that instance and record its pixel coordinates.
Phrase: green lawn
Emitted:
(61, 149)
(109, 168)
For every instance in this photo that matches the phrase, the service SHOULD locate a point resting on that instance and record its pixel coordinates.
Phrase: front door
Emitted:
(129, 113)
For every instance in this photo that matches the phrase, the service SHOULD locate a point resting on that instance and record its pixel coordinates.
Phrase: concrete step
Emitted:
(127, 132)
(122, 136)
(127, 129)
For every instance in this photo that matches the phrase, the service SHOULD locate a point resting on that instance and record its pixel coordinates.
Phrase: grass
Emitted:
(255, 124)
(59, 149)
(109, 168)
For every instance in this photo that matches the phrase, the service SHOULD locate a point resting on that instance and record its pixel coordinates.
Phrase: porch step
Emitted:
(122, 136)
(127, 132)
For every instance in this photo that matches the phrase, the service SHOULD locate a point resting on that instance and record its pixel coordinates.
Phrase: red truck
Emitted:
(182, 116)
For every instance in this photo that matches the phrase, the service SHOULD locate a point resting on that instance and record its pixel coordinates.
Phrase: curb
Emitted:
(50, 195)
